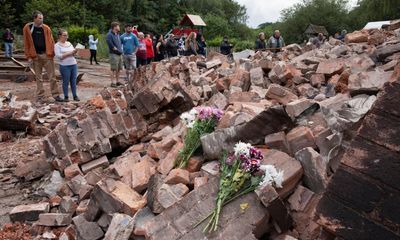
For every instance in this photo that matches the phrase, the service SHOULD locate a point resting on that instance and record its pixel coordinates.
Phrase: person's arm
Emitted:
(62, 56)
(110, 43)
(269, 43)
(258, 44)
(158, 47)
(283, 43)
(27, 44)
(136, 43)
(192, 47)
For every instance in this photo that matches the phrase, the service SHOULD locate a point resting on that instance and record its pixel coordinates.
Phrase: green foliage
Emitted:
(242, 45)
(58, 13)
(329, 13)
(7, 17)
(374, 10)
(215, 42)
(102, 48)
(223, 17)
(219, 26)
(77, 34)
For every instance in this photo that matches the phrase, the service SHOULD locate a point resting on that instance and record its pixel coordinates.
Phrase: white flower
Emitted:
(271, 176)
(189, 118)
(190, 124)
(242, 148)
(279, 179)
(193, 112)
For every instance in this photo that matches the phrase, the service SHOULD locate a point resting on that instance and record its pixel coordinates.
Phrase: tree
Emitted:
(329, 13)
(7, 14)
(374, 10)
(217, 27)
(58, 13)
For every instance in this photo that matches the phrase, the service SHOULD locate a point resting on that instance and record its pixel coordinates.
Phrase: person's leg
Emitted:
(133, 67)
(55, 92)
(65, 75)
(91, 56)
(74, 75)
(113, 67)
(119, 68)
(37, 67)
(11, 49)
(6, 49)
(127, 63)
(95, 56)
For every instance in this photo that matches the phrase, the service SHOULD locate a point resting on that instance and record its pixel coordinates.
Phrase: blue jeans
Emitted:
(8, 49)
(69, 75)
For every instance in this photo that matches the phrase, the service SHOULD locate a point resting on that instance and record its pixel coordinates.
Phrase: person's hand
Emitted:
(30, 61)
(114, 48)
(75, 51)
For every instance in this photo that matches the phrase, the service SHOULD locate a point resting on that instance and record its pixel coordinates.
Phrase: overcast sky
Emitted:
(260, 11)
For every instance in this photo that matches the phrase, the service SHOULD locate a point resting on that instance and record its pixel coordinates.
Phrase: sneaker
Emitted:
(58, 99)
(113, 85)
(66, 99)
(97, 63)
(119, 84)
(76, 99)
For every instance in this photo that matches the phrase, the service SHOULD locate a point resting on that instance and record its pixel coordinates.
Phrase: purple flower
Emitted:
(206, 113)
(255, 153)
(218, 113)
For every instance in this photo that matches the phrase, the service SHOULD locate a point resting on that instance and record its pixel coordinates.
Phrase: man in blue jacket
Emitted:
(129, 46)
(115, 52)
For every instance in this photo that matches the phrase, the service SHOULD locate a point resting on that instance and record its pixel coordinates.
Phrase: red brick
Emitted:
(167, 164)
(299, 138)
(200, 181)
(71, 171)
(178, 176)
(194, 164)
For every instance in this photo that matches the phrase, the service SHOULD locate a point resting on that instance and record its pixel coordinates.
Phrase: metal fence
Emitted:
(212, 49)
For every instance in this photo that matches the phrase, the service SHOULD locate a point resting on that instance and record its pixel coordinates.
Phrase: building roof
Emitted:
(314, 29)
(377, 25)
(193, 20)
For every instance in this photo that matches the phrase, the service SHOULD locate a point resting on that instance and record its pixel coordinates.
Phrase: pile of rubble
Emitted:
(112, 170)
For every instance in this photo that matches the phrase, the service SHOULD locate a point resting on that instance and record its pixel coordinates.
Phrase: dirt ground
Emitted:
(95, 77)
(13, 191)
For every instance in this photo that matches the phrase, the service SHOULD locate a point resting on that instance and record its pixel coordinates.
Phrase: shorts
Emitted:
(129, 61)
(115, 62)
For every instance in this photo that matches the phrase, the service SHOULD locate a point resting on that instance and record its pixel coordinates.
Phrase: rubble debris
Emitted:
(108, 164)
(30, 212)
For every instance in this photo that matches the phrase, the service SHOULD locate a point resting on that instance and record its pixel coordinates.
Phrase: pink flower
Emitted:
(206, 113)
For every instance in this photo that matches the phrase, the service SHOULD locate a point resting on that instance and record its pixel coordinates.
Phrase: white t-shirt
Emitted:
(59, 50)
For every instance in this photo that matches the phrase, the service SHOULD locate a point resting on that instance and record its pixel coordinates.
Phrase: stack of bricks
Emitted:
(106, 123)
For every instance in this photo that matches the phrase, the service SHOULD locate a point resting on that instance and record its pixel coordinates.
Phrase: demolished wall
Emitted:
(112, 160)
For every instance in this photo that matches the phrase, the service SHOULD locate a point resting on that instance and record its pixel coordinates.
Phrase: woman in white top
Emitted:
(93, 49)
(65, 52)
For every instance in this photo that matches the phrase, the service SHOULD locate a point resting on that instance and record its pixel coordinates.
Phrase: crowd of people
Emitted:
(128, 50)
(133, 49)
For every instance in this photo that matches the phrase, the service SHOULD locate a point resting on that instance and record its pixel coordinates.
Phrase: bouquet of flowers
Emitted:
(239, 175)
(199, 121)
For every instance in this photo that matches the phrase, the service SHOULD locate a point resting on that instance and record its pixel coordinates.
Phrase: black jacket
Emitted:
(260, 44)
(225, 47)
